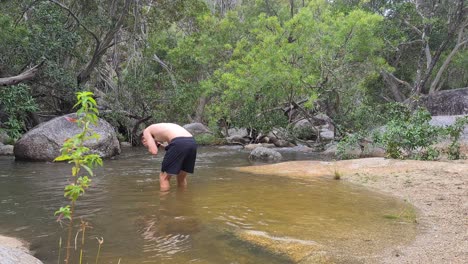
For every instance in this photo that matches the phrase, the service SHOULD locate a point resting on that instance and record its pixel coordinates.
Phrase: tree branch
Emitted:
(101, 47)
(76, 19)
(392, 81)
(169, 71)
(460, 43)
(22, 77)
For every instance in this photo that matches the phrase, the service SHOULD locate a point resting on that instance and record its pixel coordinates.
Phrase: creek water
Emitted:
(202, 223)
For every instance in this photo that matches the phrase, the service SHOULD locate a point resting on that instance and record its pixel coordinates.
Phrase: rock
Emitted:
(238, 132)
(237, 140)
(4, 138)
(265, 139)
(266, 154)
(303, 129)
(125, 144)
(6, 150)
(43, 142)
(15, 256)
(294, 250)
(280, 133)
(281, 143)
(13, 251)
(254, 146)
(373, 151)
(447, 102)
(354, 152)
(326, 133)
(197, 129)
(443, 121)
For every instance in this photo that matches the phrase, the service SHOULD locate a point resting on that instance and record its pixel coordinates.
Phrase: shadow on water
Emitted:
(222, 217)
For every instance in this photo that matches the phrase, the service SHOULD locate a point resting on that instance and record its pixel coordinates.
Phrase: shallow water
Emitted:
(199, 224)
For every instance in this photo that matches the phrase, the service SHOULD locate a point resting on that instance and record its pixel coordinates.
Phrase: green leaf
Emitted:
(88, 169)
(62, 158)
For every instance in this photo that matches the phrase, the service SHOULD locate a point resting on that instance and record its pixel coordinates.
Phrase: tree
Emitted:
(321, 55)
(433, 33)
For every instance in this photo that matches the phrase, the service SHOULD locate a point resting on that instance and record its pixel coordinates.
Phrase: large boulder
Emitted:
(265, 154)
(197, 129)
(448, 102)
(43, 142)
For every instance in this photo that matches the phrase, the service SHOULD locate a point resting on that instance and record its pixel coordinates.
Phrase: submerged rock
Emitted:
(296, 250)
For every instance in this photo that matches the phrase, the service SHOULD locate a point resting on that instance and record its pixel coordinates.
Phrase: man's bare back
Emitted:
(180, 155)
(162, 132)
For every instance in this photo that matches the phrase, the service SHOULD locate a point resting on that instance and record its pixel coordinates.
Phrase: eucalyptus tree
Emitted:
(429, 36)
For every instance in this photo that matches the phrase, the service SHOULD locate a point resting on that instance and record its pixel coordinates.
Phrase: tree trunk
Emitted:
(202, 101)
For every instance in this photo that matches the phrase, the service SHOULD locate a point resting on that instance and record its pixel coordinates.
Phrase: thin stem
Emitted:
(82, 242)
(70, 229)
(60, 250)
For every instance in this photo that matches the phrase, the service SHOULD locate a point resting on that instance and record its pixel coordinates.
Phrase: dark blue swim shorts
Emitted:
(181, 154)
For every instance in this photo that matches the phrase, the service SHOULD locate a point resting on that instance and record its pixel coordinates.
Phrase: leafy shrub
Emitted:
(347, 143)
(454, 132)
(16, 102)
(410, 135)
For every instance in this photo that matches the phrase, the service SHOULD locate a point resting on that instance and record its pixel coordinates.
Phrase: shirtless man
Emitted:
(181, 152)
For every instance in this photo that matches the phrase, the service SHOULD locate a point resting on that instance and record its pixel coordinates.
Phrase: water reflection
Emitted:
(170, 229)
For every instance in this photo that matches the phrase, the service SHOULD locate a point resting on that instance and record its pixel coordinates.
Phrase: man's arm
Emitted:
(151, 143)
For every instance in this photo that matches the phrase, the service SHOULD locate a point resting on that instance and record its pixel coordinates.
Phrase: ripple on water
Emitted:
(161, 241)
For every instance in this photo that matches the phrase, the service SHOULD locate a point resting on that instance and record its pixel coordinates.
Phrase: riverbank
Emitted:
(439, 191)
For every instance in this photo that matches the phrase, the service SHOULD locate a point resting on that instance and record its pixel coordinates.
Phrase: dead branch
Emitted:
(22, 77)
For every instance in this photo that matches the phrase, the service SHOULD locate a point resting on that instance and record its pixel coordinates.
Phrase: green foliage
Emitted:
(316, 51)
(347, 144)
(410, 135)
(403, 133)
(16, 102)
(454, 132)
(74, 151)
(64, 212)
(177, 60)
(14, 41)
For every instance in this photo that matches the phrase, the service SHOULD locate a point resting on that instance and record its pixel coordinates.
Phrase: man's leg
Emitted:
(164, 181)
(182, 179)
